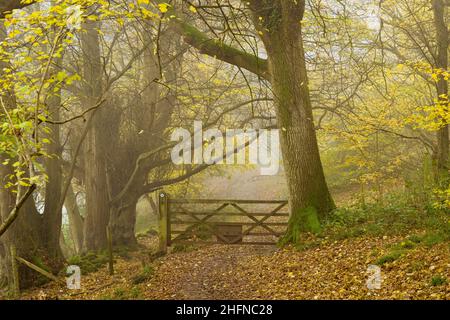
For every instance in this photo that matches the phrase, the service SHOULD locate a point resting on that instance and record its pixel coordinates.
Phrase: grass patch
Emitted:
(394, 216)
(176, 248)
(390, 257)
(438, 280)
(432, 239)
(407, 244)
(415, 238)
(134, 293)
(397, 250)
(152, 231)
(89, 262)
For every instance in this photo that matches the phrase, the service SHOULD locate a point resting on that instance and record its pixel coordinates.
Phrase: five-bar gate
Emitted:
(210, 221)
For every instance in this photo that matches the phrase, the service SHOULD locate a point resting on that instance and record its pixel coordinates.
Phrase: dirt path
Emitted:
(200, 274)
(200, 284)
(336, 270)
(332, 270)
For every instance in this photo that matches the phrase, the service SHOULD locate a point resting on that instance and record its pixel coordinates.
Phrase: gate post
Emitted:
(163, 221)
(15, 272)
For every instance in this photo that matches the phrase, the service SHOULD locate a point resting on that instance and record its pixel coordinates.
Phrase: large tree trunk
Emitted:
(123, 222)
(442, 39)
(97, 200)
(52, 218)
(123, 215)
(151, 116)
(281, 32)
(24, 234)
(7, 201)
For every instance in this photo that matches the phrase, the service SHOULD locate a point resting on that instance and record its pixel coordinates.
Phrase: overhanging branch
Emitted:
(217, 49)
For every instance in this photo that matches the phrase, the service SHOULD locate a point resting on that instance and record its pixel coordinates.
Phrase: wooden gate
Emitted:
(210, 221)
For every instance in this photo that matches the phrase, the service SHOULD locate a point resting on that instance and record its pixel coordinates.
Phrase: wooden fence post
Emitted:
(15, 272)
(163, 222)
(110, 250)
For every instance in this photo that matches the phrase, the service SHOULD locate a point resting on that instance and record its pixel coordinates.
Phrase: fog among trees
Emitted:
(92, 92)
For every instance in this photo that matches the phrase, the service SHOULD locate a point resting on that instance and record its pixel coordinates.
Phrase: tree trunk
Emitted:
(52, 218)
(123, 222)
(151, 116)
(7, 201)
(97, 200)
(24, 233)
(442, 39)
(310, 200)
(123, 215)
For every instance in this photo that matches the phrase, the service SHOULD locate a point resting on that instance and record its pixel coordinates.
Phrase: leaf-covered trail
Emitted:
(200, 274)
(330, 270)
(335, 270)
